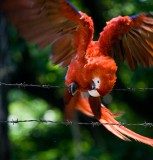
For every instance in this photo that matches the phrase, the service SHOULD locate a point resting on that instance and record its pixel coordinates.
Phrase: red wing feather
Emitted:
(140, 41)
(130, 39)
(55, 22)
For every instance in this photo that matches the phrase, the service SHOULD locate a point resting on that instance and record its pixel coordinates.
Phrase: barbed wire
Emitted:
(47, 86)
(24, 85)
(69, 123)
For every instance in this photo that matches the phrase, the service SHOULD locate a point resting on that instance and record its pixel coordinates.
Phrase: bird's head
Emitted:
(103, 75)
(97, 76)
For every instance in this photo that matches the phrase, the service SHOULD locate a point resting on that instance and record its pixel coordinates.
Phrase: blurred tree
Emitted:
(5, 69)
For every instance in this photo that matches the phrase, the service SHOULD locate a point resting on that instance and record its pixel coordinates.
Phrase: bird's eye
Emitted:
(73, 87)
(96, 82)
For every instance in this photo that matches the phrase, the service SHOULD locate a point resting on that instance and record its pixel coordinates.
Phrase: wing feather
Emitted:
(60, 52)
(143, 46)
(130, 59)
(51, 22)
(131, 39)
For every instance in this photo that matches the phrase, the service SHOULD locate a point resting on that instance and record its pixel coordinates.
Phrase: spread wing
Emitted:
(132, 39)
(55, 22)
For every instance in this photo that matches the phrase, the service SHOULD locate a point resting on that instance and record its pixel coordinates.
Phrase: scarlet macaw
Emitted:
(91, 67)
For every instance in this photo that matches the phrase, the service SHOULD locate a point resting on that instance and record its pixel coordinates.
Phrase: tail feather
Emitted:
(107, 119)
(112, 129)
(119, 130)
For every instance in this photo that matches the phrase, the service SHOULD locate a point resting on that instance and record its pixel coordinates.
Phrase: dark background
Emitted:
(22, 62)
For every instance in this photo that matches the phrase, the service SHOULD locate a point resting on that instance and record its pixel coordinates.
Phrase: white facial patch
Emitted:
(95, 86)
(96, 81)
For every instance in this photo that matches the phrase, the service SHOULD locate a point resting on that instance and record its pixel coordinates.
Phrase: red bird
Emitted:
(91, 67)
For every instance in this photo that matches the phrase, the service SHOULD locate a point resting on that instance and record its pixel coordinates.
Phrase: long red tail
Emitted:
(119, 130)
(107, 119)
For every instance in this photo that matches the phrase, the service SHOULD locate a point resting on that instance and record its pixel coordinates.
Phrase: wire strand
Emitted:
(69, 123)
(47, 86)
(24, 85)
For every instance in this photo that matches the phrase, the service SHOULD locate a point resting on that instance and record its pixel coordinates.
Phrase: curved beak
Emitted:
(93, 92)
